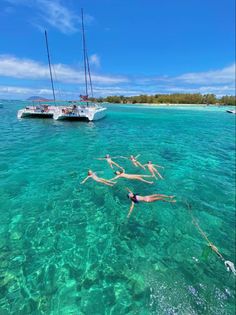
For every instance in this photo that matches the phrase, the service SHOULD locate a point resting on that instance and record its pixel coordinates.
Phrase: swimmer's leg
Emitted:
(106, 182)
(111, 166)
(156, 171)
(114, 163)
(143, 180)
(162, 199)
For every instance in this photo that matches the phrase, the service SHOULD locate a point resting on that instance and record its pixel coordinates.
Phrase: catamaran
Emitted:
(40, 108)
(76, 110)
(82, 109)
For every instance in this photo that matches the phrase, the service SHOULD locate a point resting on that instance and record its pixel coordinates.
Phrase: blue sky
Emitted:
(134, 46)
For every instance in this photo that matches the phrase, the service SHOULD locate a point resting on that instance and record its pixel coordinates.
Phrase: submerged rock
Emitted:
(16, 235)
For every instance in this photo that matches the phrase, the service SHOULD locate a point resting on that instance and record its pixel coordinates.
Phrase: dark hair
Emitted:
(128, 196)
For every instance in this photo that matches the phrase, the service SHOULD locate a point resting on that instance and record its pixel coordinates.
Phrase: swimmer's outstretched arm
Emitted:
(129, 190)
(131, 209)
(158, 165)
(139, 164)
(114, 178)
(137, 156)
(85, 180)
(117, 157)
(100, 158)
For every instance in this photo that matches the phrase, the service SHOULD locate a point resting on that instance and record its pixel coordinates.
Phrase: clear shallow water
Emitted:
(67, 248)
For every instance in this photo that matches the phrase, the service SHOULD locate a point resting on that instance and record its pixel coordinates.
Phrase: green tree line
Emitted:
(177, 98)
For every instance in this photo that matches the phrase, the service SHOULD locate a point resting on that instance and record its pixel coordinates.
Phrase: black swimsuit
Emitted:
(134, 198)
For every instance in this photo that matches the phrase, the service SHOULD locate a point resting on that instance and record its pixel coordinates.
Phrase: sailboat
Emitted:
(82, 109)
(40, 108)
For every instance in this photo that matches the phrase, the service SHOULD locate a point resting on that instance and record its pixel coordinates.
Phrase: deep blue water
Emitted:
(67, 248)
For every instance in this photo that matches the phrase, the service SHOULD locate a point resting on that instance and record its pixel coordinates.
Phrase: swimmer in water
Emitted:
(152, 198)
(134, 160)
(111, 162)
(98, 179)
(132, 176)
(152, 169)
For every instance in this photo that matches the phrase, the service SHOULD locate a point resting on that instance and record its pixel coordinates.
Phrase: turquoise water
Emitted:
(68, 249)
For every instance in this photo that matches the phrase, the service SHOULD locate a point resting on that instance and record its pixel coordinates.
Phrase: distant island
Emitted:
(177, 98)
(37, 98)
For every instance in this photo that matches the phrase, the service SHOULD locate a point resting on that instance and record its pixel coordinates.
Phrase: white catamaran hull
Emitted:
(30, 113)
(90, 114)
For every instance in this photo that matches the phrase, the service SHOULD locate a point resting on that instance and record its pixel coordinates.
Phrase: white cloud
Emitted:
(7, 10)
(219, 90)
(23, 91)
(54, 13)
(221, 76)
(58, 16)
(18, 92)
(29, 69)
(117, 90)
(94, 60)
(219, 82)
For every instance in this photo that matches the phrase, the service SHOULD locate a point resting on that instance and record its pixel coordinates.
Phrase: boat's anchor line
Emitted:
(228, 264)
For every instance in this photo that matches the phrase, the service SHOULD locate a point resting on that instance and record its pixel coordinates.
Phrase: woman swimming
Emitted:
(132, 176)
(152, 169)
(151, 198)
(134, 160)
(98, 179)
(110, 161)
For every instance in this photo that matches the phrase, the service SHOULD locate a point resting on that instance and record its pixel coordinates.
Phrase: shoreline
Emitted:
(168, 105)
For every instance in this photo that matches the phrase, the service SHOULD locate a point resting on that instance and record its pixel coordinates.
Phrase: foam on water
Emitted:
(68, 248)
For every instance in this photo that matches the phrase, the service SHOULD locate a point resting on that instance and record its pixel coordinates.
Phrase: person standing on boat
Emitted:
(93, 175)
(134, 160)
(135, 198)
(111, 162)
(152, 169)
(132, 176)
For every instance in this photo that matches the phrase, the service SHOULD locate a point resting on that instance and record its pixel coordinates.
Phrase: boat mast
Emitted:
(49, 65)
(84, 53)
(90, 80)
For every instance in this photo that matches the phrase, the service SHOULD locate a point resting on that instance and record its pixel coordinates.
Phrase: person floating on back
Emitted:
(92, 175)
(152, 169)
(110, 161)
(132, 176)
(151, 198)
(134, 160)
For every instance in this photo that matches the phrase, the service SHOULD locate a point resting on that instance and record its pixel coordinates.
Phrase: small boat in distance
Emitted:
(40, 109)
(231, 111)
(82, 109)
